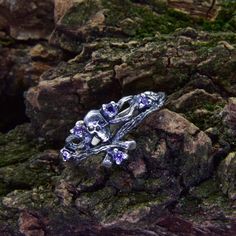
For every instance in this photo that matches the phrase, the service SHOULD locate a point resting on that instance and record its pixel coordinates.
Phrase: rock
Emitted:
(78, 27)
(27, 20)
(21, 67)
(45, 164)
(61, 7)
(47, 53)
(177, 225)
(138, 168)
(207, 202)
(125, 68)
(30, 224)
(64, 191)
(220, 69)
(69, 97)
(25, 64)
(16, 146)
(227, 175)
(3, 23)
(199, 106)
(161, 167)
(36, 198)
(82, 21)
(196, 98)
(188, 32)
(201, 9)
(168, 185)
(185, 142)
(230, 116)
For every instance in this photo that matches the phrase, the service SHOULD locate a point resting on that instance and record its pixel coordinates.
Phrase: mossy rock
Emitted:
(37, 198)
(15, 147)
(22, 164)
(128, 19)
(206, 198)
(108, 206)
(227, 175)
(80, 13)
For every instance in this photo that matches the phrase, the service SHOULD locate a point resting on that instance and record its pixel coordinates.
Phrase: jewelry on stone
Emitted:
(102, 130)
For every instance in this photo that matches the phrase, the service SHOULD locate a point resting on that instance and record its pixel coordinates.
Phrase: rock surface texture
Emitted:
(206, 9)
(27, 19)
(59, 59)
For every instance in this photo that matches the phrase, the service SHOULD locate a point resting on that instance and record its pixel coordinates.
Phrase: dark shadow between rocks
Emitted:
(12, 112)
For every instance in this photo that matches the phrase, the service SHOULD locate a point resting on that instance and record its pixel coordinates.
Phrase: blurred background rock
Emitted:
(59, 59)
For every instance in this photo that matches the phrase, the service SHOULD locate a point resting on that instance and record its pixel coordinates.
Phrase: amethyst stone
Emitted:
(118, 156)
(110, 109)
(78, 131)
(143, 101)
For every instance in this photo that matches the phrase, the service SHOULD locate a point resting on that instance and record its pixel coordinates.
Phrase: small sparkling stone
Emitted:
(118, 156)
(78, 131)
(110, 109)
(143, 101)
(66, 155)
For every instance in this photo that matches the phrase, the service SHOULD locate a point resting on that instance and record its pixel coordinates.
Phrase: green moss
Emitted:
(37, 198)
(146, 20)
(15, 147)
(201, 122)
(108, 205)
(208, 118)
(26, 175)
(117, 10)
(189, 205)
(166, 20)
(224, 21)
(213, 106)
(80, 13)
(150, 20)
(206, 189)
(215, 37)
(153, 184)
(163, 23)
(6, 41)
(149, 24)
(21, 166)
(210, 195)
(203, 48)
(205, 198)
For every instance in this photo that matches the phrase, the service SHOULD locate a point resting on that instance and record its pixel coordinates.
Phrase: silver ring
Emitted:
(102, 130)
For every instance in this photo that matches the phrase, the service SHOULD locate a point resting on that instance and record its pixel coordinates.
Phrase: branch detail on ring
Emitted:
(102, 129)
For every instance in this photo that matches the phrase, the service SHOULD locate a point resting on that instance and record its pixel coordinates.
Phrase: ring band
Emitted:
(102, 130)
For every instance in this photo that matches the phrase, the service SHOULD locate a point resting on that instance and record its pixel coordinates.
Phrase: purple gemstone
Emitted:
(143, 102)
(66, 155)
(78, 131)
(118, 156)
(110, 109)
